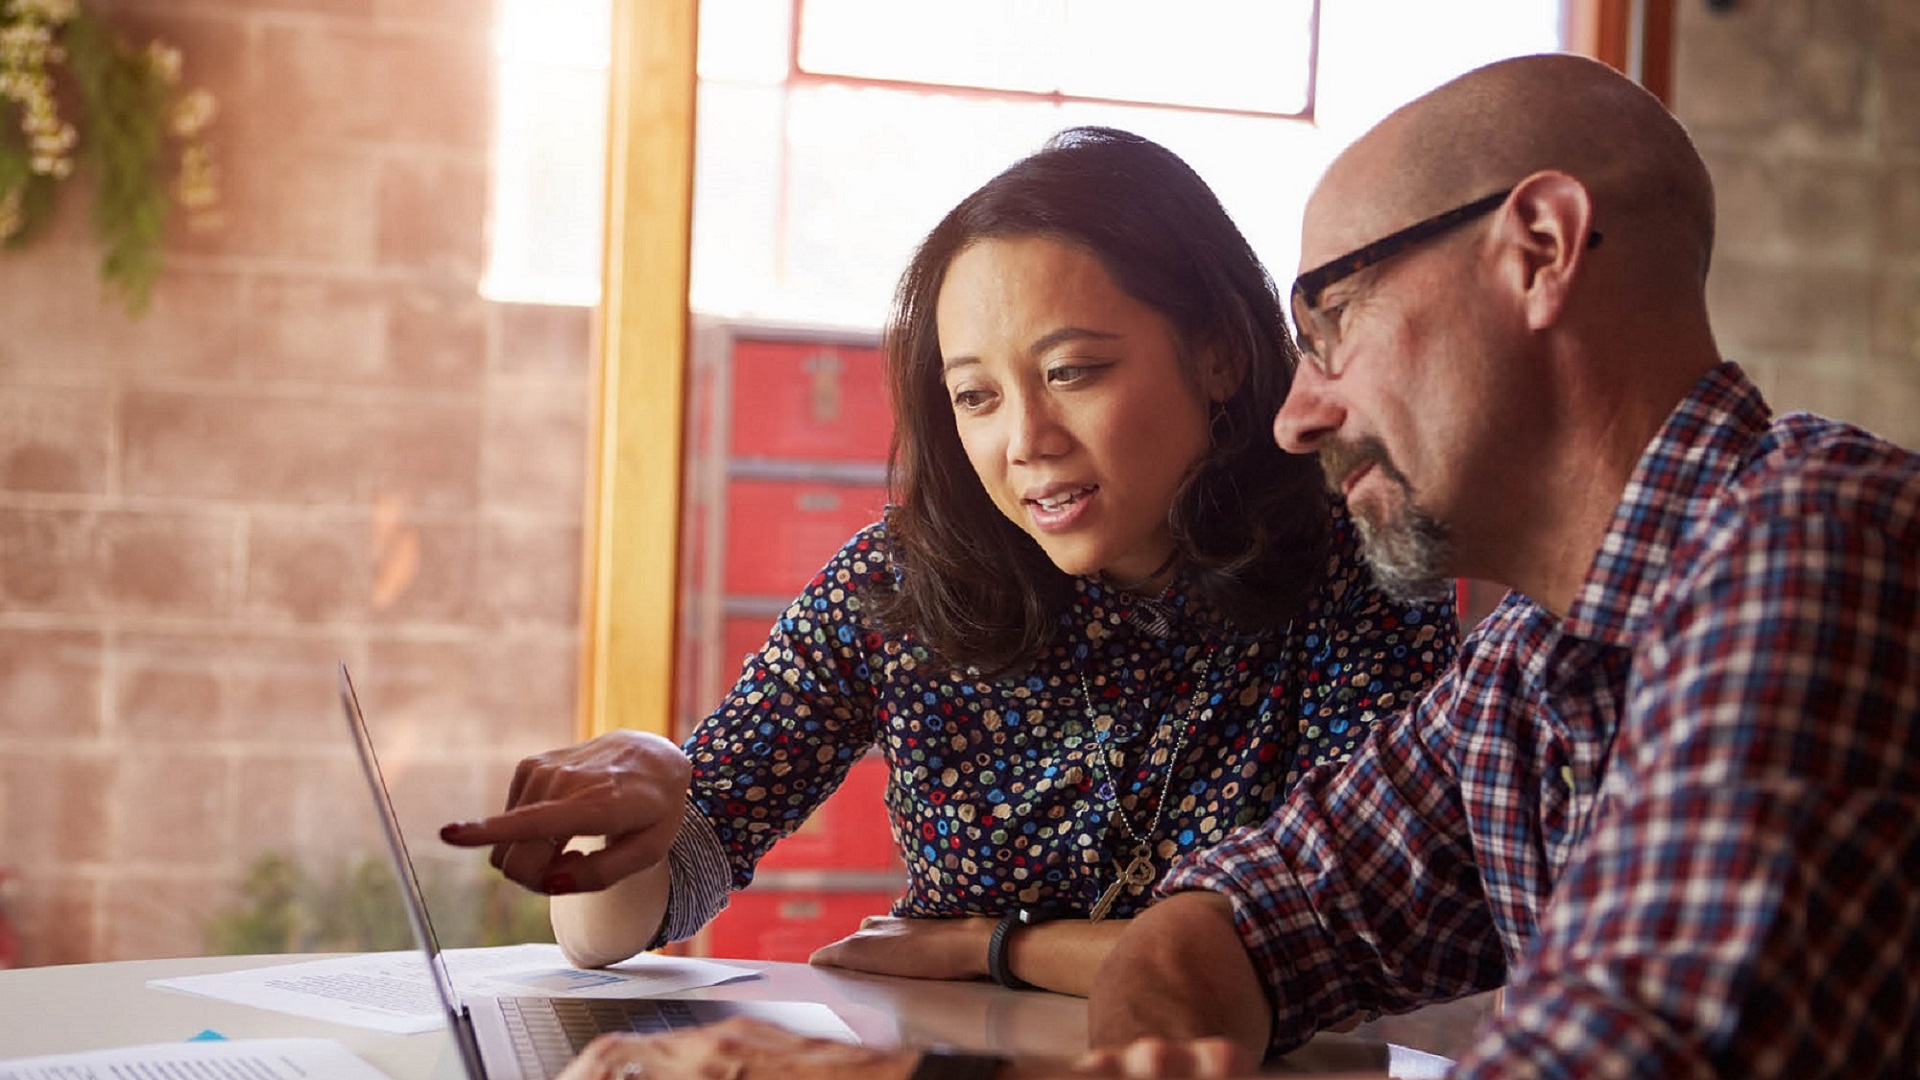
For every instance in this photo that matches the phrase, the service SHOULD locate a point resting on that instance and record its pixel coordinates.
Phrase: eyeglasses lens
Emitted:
(1310, 333)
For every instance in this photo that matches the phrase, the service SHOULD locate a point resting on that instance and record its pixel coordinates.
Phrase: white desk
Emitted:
(53, 1010)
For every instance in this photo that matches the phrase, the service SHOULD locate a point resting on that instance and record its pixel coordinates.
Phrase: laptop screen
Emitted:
(416, 903)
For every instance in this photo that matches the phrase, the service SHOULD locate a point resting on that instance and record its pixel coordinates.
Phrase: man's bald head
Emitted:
(1495, 125)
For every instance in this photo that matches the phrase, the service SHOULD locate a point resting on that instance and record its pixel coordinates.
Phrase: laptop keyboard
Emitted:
(548, 1032)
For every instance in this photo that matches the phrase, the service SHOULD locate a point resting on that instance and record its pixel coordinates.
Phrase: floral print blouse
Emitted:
(1148, 722)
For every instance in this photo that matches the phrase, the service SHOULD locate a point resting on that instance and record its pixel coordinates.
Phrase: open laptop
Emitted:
(533, 1038)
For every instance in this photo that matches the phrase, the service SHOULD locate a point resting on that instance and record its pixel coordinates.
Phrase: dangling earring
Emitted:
(1220, 430)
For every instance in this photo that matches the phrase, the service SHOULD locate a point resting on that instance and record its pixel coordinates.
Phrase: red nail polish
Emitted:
(557, 883)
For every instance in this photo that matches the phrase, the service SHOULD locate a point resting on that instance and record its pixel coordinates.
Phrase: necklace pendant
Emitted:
(1136, 872)
(1105, 903)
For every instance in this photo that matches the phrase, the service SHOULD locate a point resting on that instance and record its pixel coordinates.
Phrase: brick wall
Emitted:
(1808, 114)
(320, 443)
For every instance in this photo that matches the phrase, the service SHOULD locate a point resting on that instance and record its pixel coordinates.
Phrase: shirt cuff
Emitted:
(701, 879)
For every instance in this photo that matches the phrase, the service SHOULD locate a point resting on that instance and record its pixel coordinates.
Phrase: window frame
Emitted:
(799, 75)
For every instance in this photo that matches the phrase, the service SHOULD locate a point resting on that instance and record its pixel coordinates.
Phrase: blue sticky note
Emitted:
(208, 1035)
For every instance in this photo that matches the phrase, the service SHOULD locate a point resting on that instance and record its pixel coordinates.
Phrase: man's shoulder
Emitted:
(1812, 441)
(1814, 496)
(1807, 468)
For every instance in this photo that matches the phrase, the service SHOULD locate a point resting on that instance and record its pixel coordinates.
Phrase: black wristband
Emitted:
(942, 1065)
(997, 967)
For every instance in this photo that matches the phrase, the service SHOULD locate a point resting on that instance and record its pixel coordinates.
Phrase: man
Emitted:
(1669, 797)
(1670, 794)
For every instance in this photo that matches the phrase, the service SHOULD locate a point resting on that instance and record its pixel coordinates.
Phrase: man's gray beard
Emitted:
(1408, 557)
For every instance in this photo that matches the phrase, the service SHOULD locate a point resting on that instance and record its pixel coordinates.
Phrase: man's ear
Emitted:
(1551, 230)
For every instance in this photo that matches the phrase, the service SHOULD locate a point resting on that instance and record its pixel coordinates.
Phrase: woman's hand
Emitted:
(740, 1048)
(916, 948)
(627, 786)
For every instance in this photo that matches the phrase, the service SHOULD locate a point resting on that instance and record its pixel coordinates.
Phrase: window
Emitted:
(826, 150)
(822, 161)
(1253, 55)
(549, 152)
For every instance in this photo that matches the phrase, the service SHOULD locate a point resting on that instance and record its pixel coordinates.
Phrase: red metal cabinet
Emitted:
(784, 531)
(741, 636)
(789, 924)
(787, 462)
(820, 400)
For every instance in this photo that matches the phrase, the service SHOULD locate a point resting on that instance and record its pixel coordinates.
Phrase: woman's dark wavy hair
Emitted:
(1251, 521)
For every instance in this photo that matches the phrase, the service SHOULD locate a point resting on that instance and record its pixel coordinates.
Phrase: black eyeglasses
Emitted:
(1316, 333)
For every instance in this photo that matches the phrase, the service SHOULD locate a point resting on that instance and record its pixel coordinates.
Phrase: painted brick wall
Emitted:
(1808, 114)
(321, 443)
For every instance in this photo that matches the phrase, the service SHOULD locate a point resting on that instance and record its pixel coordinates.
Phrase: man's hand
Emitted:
(916, 948)
(1160, 1059)
(746, 1049)
(1179, 972)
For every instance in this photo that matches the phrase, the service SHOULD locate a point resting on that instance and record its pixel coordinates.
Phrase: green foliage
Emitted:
(508, 914)
(357, 908)
(125, 105)
(271, 921)
(36, 191)
(73, 90)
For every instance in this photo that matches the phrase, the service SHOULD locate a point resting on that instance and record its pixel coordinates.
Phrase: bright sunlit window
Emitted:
(1252, 55)
(824, 153)
(549, 151)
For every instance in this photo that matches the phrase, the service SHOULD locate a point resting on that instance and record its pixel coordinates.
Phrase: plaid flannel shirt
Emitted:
(1681, 824)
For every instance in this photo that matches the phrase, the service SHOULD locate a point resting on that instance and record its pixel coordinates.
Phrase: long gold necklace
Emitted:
(1137, 870)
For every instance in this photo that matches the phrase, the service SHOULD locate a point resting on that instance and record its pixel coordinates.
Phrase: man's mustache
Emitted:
(1340, 460)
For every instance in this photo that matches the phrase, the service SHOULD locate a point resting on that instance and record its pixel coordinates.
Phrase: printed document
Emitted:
(240, 1059)
(391, 991)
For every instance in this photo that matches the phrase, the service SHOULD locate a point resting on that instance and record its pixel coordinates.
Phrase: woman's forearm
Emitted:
(595, 929)
(1065, 955)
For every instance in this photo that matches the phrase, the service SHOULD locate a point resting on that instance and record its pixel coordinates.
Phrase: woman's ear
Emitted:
(1220, 374)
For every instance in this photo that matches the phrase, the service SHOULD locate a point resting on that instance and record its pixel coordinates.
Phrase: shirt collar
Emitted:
(1703, 443)
(1155, 615)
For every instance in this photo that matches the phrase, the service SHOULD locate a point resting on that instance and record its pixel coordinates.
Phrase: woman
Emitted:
(1106, 621)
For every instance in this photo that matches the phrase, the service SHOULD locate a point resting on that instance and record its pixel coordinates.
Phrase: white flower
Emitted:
(53, 11)
(197, 188)
(193, 112)
(165, 61)
(25, 45)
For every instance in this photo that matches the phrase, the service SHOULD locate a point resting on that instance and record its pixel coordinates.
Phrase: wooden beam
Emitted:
(1632, 36)
(629, 607)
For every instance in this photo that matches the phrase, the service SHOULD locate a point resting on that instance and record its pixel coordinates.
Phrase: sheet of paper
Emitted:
(241, 1059)
(391, 991)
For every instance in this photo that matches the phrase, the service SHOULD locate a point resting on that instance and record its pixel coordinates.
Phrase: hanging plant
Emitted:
(73, 90)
